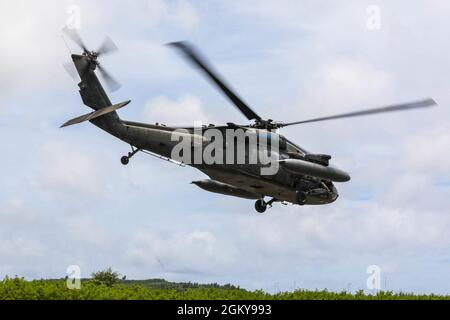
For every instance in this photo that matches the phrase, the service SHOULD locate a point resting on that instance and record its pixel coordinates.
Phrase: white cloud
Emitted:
(182, 252)
(182, 111)
(285, 14)
(86, 230)
(19, 248)
(70, 171)
(186, 14)
(429, 152)
(16, 211)
(349, 82)
(181, 13)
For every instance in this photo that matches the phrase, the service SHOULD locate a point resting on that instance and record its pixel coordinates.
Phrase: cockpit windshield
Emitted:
(292, 147)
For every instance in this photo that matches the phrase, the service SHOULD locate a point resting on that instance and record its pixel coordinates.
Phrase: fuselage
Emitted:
(283, 184)
(298, 173)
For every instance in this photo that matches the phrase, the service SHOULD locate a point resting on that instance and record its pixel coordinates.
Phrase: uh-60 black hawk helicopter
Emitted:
(302, 177)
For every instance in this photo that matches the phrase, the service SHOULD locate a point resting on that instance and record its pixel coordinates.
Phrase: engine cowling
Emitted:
(314, 169)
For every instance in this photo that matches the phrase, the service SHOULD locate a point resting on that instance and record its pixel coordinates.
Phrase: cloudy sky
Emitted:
(66, 199)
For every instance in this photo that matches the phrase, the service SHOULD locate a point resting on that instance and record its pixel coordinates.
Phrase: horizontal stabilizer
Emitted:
(95, 114)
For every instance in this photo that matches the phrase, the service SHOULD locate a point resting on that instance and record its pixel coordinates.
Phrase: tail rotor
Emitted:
(107, 47)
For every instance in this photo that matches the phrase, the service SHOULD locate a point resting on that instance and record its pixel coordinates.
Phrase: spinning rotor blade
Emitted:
(195, 58)
(112, 83)
(107, 47)
(75, 37)
(70, 69)
(398, 107)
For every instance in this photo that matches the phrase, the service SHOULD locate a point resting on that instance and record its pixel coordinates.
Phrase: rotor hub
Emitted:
(268, 124)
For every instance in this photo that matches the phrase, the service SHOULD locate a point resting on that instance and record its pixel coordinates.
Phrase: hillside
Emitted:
(167, 285)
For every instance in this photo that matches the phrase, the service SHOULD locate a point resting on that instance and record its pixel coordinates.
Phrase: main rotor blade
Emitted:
(398, 107)
(75, 37)
(195, 58)
(107, 47)
(112, 83)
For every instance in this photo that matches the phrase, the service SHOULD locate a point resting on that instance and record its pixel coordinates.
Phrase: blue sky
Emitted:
(66, 199)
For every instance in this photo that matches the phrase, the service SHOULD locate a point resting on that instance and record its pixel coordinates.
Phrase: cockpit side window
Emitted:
(291, 147)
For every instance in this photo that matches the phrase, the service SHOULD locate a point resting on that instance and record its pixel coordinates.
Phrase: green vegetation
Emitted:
(106, 277)
(18, 288)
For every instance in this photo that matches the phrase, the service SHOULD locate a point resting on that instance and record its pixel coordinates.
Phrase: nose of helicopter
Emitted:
(341, 175)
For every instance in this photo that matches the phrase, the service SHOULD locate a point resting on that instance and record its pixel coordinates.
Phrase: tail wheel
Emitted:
(260, 205)
(124, 160)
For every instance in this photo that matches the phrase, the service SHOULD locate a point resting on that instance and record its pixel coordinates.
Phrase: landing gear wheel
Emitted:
(260, 206)
(124, 160)
(301, 197)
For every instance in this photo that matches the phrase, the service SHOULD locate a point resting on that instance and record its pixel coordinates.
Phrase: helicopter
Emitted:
(301, 178)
